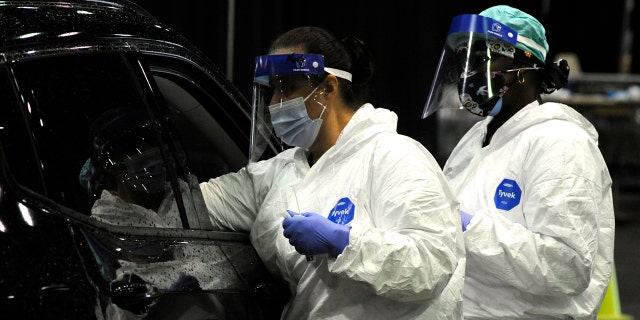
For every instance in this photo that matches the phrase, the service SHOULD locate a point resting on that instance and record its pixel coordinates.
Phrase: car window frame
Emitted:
(154, 99)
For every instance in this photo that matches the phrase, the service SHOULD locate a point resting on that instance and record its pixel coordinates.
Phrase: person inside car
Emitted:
(128, 176)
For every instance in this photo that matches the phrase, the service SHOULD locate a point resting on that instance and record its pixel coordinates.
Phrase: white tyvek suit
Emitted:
(548, 252)
(405, 258)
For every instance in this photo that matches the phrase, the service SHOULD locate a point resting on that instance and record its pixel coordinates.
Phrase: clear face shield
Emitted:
(470, 73)
(282, 85)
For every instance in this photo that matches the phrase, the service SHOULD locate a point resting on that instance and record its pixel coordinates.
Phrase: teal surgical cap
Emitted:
(531, 33)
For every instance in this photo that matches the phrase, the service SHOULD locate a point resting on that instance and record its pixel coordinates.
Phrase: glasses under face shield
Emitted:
(469, 72)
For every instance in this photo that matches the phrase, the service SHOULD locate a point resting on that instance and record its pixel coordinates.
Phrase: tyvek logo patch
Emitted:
(343, 212)
(507, 195)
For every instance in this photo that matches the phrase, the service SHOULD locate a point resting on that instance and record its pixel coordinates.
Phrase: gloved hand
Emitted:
(311, 234)
(466, 218)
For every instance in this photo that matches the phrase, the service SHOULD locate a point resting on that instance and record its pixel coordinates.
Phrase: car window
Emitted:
(210, 150)
(88, 133)
(105, 135)
(59, 99)
(215, 111)
(15, 137)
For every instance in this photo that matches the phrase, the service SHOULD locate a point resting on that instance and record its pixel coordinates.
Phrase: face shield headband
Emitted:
(460, 60)
(292, 64)
(281, 74)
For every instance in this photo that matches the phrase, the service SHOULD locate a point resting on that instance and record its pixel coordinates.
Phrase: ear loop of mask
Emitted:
(324, 106)
(520, 78)
(309, 95)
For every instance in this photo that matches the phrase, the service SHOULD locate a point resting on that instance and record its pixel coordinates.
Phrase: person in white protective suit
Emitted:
(357, 219)
(534, 190)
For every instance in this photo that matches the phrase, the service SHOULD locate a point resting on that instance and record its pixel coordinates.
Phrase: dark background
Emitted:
(406, 38)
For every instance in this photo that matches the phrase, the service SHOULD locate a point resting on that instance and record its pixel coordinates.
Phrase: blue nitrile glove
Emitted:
(311, 234)
(466, 218)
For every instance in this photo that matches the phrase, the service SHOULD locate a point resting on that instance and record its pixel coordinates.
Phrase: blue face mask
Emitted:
(292, 123)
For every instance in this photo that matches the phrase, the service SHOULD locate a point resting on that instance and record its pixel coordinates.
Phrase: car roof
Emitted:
(28, 27)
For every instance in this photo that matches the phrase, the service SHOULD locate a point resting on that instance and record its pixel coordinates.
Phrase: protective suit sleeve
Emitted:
(567, 183)
(233, 200)
(412, 243)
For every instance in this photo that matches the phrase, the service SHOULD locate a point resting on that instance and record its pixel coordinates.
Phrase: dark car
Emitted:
(108, 122)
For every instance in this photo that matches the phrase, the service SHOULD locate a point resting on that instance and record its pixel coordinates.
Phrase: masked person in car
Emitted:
(357, 219)
(534, 189)
(128, 177)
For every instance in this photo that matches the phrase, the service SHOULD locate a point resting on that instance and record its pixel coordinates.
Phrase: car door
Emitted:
(84, 137)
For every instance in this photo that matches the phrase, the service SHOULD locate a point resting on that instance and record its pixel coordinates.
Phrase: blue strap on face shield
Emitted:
(465, 24)
(287, 64)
